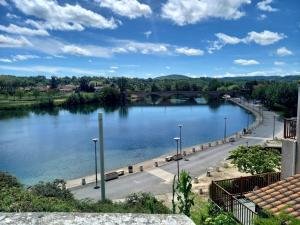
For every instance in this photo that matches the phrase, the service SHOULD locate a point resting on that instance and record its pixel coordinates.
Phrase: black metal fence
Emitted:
(228, 194)
(290, 126)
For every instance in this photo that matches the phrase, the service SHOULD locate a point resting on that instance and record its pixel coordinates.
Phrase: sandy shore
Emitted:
(188, 150)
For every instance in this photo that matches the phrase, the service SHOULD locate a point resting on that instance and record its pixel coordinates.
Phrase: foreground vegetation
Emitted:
(276, 93)
(54, 197)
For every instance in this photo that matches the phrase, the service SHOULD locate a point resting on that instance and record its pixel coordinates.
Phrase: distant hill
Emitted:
(173, 77)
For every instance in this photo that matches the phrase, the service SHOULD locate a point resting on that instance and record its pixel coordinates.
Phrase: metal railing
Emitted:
(290, 126)
(228, 194)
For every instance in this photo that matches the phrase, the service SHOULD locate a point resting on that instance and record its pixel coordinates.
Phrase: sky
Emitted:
(149, 38)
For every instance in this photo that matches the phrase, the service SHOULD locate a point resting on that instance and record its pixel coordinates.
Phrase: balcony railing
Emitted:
(228, 194)
(290, 126)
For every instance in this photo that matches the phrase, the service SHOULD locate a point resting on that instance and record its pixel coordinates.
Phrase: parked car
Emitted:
(232, 139)
(111, 176)
(177, 157)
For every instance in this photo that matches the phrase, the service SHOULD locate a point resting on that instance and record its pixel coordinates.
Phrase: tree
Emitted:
(255, 159)
(184, 193)
(8, 181)
(36, 93)
(110, 96)
(20, 93)
(53, 82)
(84, 84)
(56, 189)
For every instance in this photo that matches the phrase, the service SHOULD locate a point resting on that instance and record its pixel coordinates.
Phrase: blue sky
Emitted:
(149, 38)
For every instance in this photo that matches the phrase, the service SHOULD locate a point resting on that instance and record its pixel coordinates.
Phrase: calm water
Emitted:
(57, 144)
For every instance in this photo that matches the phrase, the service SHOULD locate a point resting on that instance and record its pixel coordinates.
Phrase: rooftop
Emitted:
(282, 195)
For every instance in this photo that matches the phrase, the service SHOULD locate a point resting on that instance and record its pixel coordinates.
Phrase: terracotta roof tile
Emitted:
(282, 195)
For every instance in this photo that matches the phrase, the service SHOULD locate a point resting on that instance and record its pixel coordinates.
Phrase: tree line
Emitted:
(276, 93)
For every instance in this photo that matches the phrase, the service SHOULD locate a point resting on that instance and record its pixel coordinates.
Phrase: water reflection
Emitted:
(153, 100)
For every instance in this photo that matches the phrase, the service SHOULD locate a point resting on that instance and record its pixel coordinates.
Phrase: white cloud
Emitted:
(129, 8)
(86, 51)
(114, 67)
(264, 38)
(167, 67)
(24, 57)
(10, 42)
(262, 17)
(126, 46)
(52, 70)
(226, 39)
(245, 62)
(264, 5)
(279, 63)
(111, 71)
(76, 50)
(189, 51)
(183, 12)
(62, 17)
(148, 33)
(5, 60)
(12, 16)
(283, 51)
(3, 3)
(18, 58)
(14, 29)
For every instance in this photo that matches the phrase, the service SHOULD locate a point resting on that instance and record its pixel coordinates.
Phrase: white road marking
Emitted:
(162, 174)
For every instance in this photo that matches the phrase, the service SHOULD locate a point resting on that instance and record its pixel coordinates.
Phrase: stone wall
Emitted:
(92, 219)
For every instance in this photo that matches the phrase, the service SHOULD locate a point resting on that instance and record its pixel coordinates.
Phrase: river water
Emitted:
(44, 145)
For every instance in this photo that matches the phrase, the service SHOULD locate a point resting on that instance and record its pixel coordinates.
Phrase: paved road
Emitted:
(159, 180)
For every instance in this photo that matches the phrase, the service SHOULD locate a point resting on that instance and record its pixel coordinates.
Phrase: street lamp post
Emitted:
(225, 128)
(96, 170)
(274, 121)
(180, 141)
(177, 139)
(248, 120)
(101, 144)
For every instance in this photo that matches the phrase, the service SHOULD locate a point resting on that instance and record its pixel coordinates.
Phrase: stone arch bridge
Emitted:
(168, 94)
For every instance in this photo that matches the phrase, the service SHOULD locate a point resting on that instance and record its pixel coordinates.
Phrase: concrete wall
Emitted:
(288, 158)
(92, 219)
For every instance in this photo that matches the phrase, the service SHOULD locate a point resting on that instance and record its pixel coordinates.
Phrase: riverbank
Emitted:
(159, 161)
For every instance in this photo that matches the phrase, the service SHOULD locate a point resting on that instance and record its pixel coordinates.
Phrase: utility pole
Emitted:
(100, 124)
(180, 142)
(274, 120)
(225, 128)
(96, 171)
(177, 139)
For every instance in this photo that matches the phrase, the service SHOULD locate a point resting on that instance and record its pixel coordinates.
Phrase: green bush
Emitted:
(206, 213)
(54, 197)
(255, 159)
(281, 219)
(56, 189)
(8, 181)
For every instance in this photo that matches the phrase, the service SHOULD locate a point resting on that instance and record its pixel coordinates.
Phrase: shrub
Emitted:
(56, 189)
(8, 181)
(184, 193)
(146, 202)
(255, 159)
(54, 197)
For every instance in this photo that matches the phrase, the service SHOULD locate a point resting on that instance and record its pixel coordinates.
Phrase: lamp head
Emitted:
(176, 138)
(95, 139)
